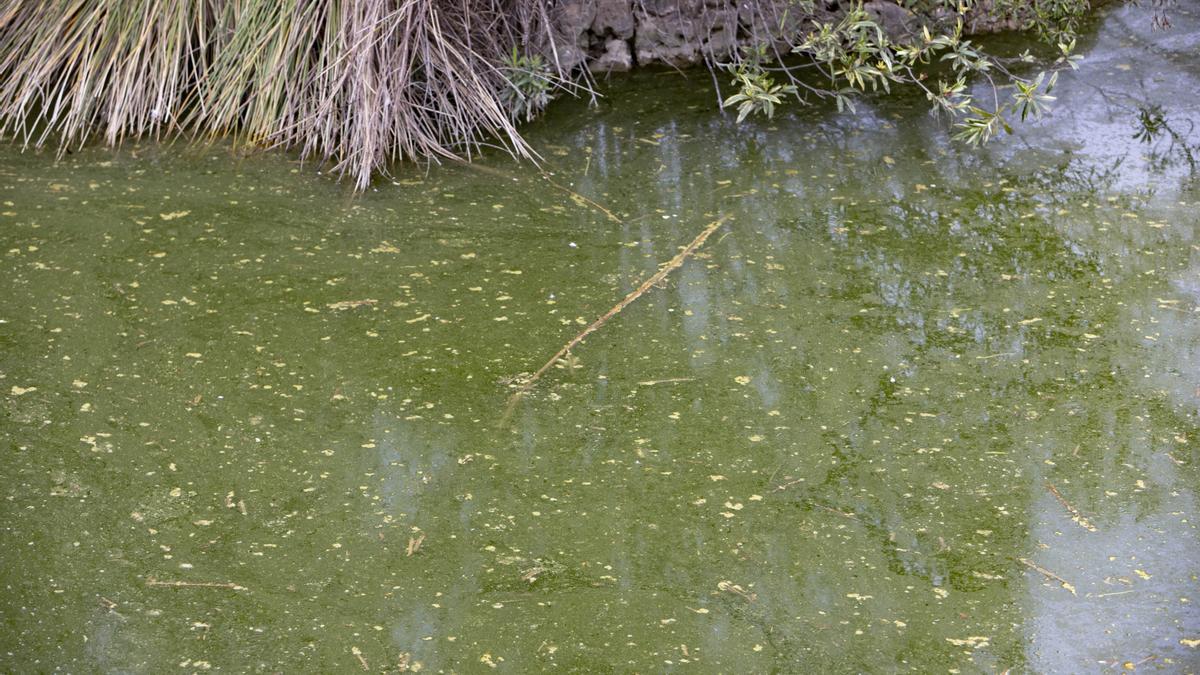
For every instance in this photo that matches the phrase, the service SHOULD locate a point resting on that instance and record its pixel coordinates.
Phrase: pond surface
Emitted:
(909, 409)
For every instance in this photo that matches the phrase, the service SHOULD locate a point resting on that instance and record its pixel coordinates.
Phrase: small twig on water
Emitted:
(1047, 573)
(1148, 658)
(194, 584)
(788, 484)
(833, 510)
(666, 380)
(1075, 514)
(581, 199)
(358, 655)
(995, 356)
(662, 273)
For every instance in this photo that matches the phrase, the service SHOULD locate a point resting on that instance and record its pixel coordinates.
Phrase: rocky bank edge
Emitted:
(615, 35)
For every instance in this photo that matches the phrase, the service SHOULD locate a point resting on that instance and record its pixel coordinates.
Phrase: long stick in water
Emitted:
(637, 293)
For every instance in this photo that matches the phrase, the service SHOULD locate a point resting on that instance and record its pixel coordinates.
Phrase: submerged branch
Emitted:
(646, 285)
(1047, 573)
(1076, 516)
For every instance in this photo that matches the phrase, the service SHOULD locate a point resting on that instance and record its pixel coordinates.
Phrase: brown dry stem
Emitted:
(646, 285)
(194, 584)
(581, 199)
(1047, 573)
(1076, 516)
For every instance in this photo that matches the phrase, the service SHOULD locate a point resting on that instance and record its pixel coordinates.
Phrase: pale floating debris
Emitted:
(21, 391)
(756, 438)
(361, 660)
(385, 247)
(716, 477)
(173, 215)
(1189, 643)
(730, 587)
(418, 319)
(974, 642)
(1027, 322)
(351, 304)
(1142, 574)
(742, 379)
(193, 355)
(79, 384)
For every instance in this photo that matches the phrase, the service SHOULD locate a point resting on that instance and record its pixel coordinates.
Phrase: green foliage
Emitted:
(855, 55)
(1053, 21)
(530, 83)
(758, 91)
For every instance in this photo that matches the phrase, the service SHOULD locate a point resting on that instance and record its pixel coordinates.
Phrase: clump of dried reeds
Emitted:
(361, 83)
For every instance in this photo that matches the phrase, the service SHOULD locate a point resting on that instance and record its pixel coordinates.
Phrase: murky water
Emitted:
(909, 409)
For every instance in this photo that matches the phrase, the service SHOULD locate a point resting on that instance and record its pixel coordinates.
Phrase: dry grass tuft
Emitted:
(362, 83)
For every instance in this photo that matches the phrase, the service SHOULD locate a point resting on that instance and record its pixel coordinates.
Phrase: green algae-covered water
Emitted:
(910, 409)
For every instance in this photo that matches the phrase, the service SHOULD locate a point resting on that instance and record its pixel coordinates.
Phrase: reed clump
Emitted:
(360, 83)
